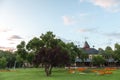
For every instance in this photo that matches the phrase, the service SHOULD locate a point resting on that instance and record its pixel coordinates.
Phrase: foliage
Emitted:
(21, 50)
(34, 45)
(73, 50)
(52, 53)
(19, 61)
(3, 62)
(117, 52)
(83, 56)
(10, 58)
(108, 52)
(30, 57)
(98, 60)
(51, 57)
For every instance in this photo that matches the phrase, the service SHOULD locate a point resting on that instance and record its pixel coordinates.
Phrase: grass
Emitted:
(58, 74)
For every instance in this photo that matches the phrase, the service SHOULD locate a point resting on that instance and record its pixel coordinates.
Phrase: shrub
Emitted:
(3, 62)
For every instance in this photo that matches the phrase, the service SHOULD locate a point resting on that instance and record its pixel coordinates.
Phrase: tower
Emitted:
(86, 45)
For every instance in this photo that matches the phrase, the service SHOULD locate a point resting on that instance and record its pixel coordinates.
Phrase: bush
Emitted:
(3, 62)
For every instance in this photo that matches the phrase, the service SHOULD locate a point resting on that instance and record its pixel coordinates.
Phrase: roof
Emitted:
(86, 45)
(78, 60)
(85, 60)
(110, 60)
(90, 51)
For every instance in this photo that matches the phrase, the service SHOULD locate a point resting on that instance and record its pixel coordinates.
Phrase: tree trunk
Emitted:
(48, 69)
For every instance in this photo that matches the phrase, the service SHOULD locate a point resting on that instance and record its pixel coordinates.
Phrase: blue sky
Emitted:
(71, 20)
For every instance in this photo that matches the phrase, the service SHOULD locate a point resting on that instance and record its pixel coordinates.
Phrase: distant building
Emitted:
(93, 52)
(90, 51)
(87, 50)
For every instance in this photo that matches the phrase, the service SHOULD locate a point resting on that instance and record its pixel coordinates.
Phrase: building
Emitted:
(94, 52)
(90, 52)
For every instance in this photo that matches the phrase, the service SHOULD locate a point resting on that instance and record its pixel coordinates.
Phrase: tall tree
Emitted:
(73, 50)
(117, 53)
(98, 60)
(21, 51)
(108, 55)
(51, 53)
(51, 57)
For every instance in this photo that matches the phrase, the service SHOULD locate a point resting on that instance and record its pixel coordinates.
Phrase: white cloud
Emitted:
(15, 37)
(75, 19)
(81, 0)
(112, 5)
(68, 20)
(83, 30)
(113, 35)
(4, 30)
(106, 3)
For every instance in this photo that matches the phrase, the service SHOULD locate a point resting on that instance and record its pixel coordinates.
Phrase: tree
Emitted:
(117, 53)
(101, 51)
(108, 54)
(98, 60)
(73, 50)
(52, 52)
(21, 51)
(19, 61)
(34, 45)
(83, 56)
(30, 57)
(109, 51)
(3, 62)
(51, 57)
(10, 58)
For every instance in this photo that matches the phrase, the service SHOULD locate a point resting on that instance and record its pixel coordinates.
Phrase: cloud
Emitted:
(91, 30)
(71, 20)
(14, 37)
(81, 0)
(12, 43)
(106, 3)
(112, 5)
(7, 48)
(68, 20)
(4, 30)
(113, 35)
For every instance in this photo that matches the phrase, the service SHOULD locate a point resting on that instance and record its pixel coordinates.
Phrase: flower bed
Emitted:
(97, 71)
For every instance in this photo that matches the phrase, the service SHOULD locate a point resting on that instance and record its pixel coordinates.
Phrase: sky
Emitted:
(96, 21)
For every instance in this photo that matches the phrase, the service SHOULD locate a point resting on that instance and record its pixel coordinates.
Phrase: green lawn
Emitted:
(58, 74)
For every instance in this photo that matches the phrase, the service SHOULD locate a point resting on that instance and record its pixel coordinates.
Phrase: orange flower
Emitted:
(71, 71)
(81, 69)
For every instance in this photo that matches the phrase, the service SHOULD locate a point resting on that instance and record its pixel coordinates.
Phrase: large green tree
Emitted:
(51, 57)
(51, 53)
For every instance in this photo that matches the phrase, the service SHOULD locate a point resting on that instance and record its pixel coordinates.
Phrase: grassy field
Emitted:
(58, 74)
